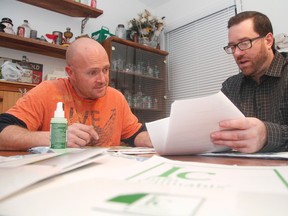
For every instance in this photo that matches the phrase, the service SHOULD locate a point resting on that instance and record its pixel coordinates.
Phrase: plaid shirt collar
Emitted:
(274, 70)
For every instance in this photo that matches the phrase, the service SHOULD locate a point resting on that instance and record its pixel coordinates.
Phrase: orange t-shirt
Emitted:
(110, 115)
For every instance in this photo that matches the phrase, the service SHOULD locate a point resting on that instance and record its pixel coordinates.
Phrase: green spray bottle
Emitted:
(58, 128)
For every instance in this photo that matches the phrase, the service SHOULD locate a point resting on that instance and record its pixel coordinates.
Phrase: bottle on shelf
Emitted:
(68, 35)
(93, 3)
(156, 72)
(21, 31)
(27, 28)
(120, 31)
(155, 103)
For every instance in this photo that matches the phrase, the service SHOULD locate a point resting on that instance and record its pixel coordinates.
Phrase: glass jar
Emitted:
(27, 28)
(120, 31)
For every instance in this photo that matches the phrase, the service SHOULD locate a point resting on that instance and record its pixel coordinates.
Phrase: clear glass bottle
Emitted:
(27, 28)
(156, 71)
(120, 31)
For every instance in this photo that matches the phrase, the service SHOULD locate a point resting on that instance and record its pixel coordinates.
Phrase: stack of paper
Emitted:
(187, 130)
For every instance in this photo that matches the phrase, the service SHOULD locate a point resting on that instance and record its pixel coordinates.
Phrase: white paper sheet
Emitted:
(159, 187)
(13, 179)
(162, 171)
(19, 160)
(187, 130)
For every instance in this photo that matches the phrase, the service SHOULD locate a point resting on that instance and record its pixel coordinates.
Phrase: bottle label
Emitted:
(21, 31)
(58, 137)
(93, 3)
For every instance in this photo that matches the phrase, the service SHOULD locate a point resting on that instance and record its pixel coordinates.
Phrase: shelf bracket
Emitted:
(83, 23)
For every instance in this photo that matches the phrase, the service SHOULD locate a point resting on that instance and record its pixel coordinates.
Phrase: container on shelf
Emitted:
(120, 31)
(59, 39)
(27, 28)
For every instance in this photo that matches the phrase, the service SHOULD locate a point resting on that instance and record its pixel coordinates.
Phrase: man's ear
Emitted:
(68, 70)
(270, 39)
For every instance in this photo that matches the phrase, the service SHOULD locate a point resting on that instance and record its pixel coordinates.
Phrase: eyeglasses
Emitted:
(243, 45)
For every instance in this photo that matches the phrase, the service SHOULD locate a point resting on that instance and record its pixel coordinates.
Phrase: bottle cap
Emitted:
(59, 112)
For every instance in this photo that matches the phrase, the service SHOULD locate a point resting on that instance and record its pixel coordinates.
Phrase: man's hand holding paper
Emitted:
(241, 134)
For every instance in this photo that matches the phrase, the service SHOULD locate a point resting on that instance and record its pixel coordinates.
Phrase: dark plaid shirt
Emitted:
(267, 101)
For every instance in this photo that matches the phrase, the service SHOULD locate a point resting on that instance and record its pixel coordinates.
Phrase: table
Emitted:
(232, 161)
(203, 159)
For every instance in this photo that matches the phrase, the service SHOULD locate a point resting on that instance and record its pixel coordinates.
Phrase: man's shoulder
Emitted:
(53, 83)
(114, 95)
(59, 81)
(114, 92)
(234, 78)
(48, 87)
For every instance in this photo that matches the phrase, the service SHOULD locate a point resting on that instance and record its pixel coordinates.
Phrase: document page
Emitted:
(158, 187)
(13, 179)
(187, 130)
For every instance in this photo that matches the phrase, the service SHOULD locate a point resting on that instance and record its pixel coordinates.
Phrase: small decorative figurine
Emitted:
(8, 25)
(68, 35)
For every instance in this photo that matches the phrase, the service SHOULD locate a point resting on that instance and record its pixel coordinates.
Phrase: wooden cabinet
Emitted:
(10, 92)
(139, 72)
(67, 7)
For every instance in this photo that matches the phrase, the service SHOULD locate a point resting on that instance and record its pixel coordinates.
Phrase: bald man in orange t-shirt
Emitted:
(97, 114)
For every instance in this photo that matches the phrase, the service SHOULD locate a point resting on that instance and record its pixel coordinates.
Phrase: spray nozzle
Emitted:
(59, 112)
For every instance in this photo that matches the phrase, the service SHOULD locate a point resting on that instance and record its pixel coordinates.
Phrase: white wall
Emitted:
(115, 12)
(178, 12)
(276, 11)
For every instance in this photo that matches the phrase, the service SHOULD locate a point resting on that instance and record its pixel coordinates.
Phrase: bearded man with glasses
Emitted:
(260, 90)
